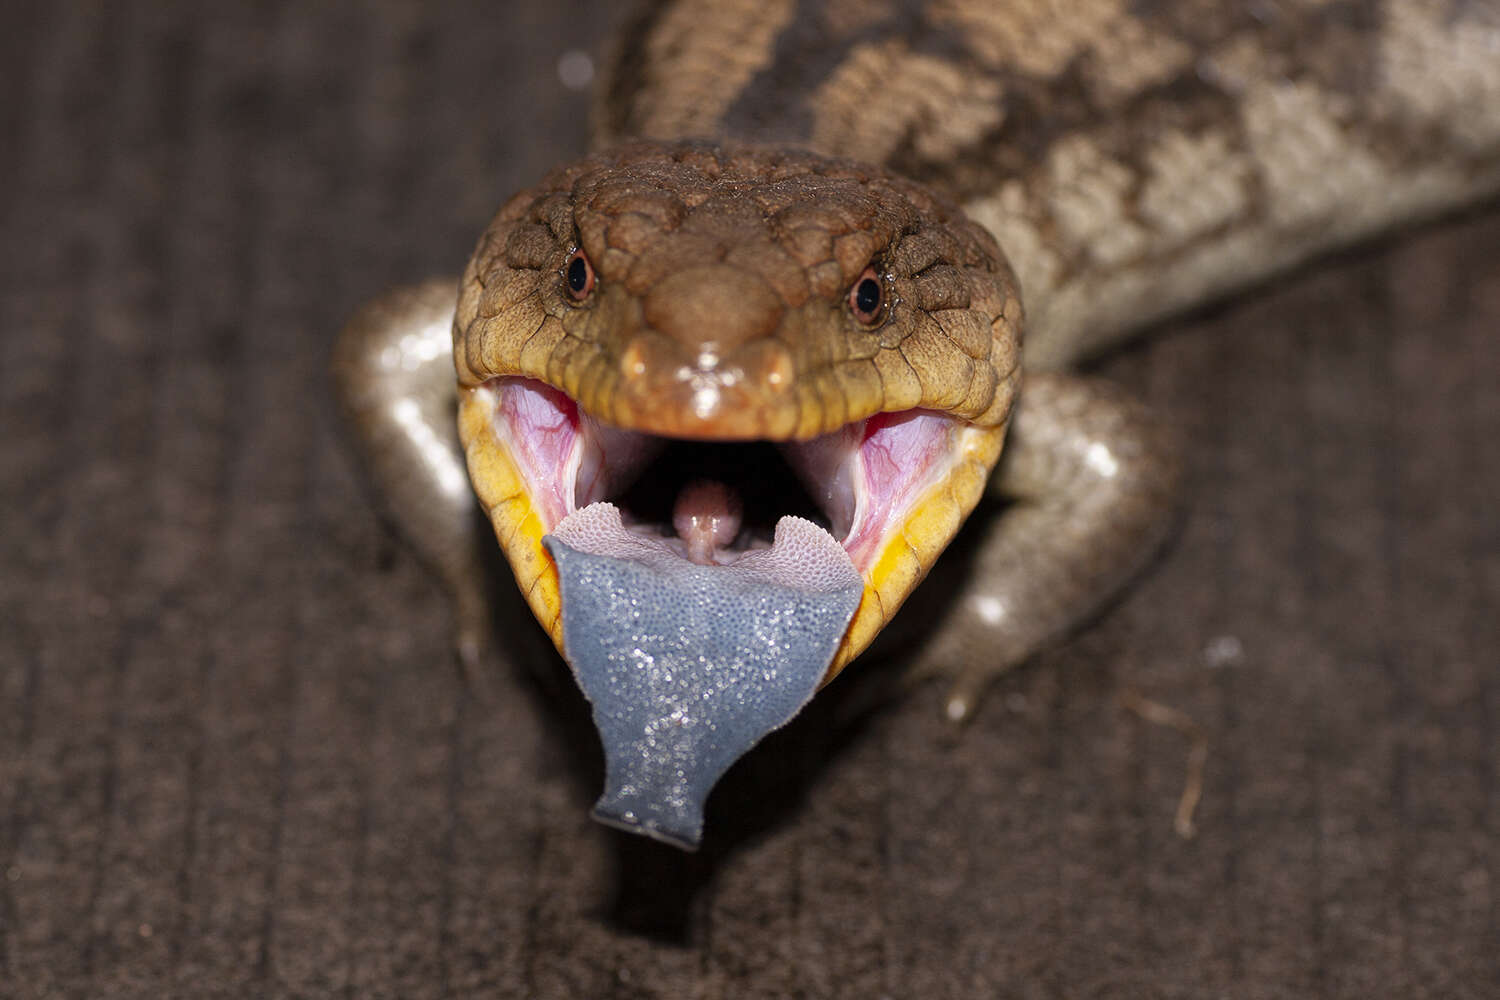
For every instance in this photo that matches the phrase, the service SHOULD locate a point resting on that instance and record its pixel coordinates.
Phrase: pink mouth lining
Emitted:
(865, 477)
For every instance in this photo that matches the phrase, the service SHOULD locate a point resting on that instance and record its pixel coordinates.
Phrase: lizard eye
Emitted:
(579, 274)
(867, 298)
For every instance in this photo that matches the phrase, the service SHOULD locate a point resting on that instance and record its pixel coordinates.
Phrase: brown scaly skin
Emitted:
(720, 312)
(1132, 159)
(727, 268)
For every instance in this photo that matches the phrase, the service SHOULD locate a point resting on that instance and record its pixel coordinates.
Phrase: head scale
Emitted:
(721, 308)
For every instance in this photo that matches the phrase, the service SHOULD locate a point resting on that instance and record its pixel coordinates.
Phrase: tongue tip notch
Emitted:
(683, 831)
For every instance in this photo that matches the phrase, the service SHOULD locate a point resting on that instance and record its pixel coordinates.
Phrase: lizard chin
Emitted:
(702, 591)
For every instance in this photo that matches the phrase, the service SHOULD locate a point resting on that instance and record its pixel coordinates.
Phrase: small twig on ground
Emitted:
(1158, 714)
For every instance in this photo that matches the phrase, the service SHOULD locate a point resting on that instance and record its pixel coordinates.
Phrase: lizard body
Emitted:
(1106, 163)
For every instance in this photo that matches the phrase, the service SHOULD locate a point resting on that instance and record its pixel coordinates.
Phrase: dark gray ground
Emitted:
(235, 759)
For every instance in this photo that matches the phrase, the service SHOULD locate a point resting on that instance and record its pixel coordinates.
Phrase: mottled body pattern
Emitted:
(1131, 159)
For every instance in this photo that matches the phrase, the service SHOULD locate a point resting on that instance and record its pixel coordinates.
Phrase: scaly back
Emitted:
(1132, 158)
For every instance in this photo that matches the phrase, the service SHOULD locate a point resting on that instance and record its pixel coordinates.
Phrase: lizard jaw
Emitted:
(892, 489)
(683, 679)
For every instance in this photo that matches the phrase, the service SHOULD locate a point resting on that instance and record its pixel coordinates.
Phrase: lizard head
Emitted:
(725, 407)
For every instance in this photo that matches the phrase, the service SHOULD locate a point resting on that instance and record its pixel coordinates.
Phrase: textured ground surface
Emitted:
(235, 760)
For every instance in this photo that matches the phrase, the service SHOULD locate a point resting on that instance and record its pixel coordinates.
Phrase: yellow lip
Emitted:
(902, 557)
(906, 554)
(508, 502)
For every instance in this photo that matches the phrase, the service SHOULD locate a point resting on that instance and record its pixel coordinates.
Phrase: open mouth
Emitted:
(712, 502)
(701, 591)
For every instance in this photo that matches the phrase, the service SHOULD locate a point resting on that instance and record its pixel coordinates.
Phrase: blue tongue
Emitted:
(689, 666)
